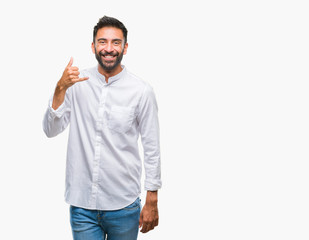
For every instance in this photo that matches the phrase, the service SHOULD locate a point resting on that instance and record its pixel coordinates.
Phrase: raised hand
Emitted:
(69, 77)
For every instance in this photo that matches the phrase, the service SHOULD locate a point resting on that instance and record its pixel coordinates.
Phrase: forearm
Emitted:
(57, 115)
(150, 137)
(59, 96)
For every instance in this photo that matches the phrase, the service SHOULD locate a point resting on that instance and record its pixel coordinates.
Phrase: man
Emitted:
(107, 108)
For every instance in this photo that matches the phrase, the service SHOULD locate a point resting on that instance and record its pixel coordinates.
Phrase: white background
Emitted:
(231, 80)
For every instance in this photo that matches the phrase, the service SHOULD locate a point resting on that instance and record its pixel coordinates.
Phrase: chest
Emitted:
(115, 106)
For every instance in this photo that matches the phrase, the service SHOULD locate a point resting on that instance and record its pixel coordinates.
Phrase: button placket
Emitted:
(98, 143)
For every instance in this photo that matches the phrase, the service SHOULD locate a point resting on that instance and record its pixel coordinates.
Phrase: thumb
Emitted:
(71, 62)
(141, 220)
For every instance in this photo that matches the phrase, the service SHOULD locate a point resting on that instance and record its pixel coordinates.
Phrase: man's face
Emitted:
(109, 48)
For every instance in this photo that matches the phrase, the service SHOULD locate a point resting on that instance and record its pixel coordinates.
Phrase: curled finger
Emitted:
(74, 68)
(76, 73)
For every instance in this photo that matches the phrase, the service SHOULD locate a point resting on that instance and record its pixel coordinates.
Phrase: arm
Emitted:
(57, 116)
(149, 130)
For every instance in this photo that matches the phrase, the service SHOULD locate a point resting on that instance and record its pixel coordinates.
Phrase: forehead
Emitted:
(109, 33)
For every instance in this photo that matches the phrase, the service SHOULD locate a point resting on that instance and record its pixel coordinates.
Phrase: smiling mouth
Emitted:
(108, 57)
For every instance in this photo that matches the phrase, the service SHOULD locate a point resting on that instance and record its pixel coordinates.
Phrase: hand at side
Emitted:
(149, 217)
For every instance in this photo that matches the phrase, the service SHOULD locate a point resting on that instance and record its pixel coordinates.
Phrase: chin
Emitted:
(108, 68)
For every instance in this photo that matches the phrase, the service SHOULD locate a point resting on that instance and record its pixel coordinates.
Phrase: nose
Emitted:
(109, 47)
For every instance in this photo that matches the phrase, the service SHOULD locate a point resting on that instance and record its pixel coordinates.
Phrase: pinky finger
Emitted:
(82, 79)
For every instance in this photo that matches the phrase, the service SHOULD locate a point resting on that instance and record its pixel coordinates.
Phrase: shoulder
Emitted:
(138, 82)
(144, 89)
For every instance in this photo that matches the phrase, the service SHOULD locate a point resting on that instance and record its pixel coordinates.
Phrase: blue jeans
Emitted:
(116, 225)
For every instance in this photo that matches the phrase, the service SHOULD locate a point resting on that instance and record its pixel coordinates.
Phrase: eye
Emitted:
(102, 42)
(117, 43)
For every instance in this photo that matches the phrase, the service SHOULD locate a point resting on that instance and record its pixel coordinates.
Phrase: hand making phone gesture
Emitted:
(69, 77)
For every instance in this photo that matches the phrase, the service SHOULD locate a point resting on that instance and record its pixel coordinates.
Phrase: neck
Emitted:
(108, 74)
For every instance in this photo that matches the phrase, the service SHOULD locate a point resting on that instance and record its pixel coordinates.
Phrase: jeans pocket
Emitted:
(135, 205)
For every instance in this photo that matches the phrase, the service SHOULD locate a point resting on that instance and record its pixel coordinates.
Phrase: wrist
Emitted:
(152, 197)
(60, 89)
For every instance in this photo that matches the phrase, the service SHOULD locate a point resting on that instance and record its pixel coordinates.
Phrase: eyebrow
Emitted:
(113, 40)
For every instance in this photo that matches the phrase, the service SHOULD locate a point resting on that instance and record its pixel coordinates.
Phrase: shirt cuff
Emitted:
(152, 185)
(56, 113)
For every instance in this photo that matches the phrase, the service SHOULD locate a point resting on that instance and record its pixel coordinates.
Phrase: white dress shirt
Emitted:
(103, 169)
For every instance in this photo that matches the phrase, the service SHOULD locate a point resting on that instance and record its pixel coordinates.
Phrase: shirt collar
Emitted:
(113, 78)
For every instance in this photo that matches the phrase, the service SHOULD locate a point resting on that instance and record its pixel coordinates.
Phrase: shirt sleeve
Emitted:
(149, 130)
(56, 121)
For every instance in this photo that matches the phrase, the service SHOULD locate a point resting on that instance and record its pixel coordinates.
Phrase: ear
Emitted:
(125, 48)
(92, 47)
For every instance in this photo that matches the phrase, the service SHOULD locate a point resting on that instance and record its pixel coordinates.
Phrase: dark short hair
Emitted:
(110, 22)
